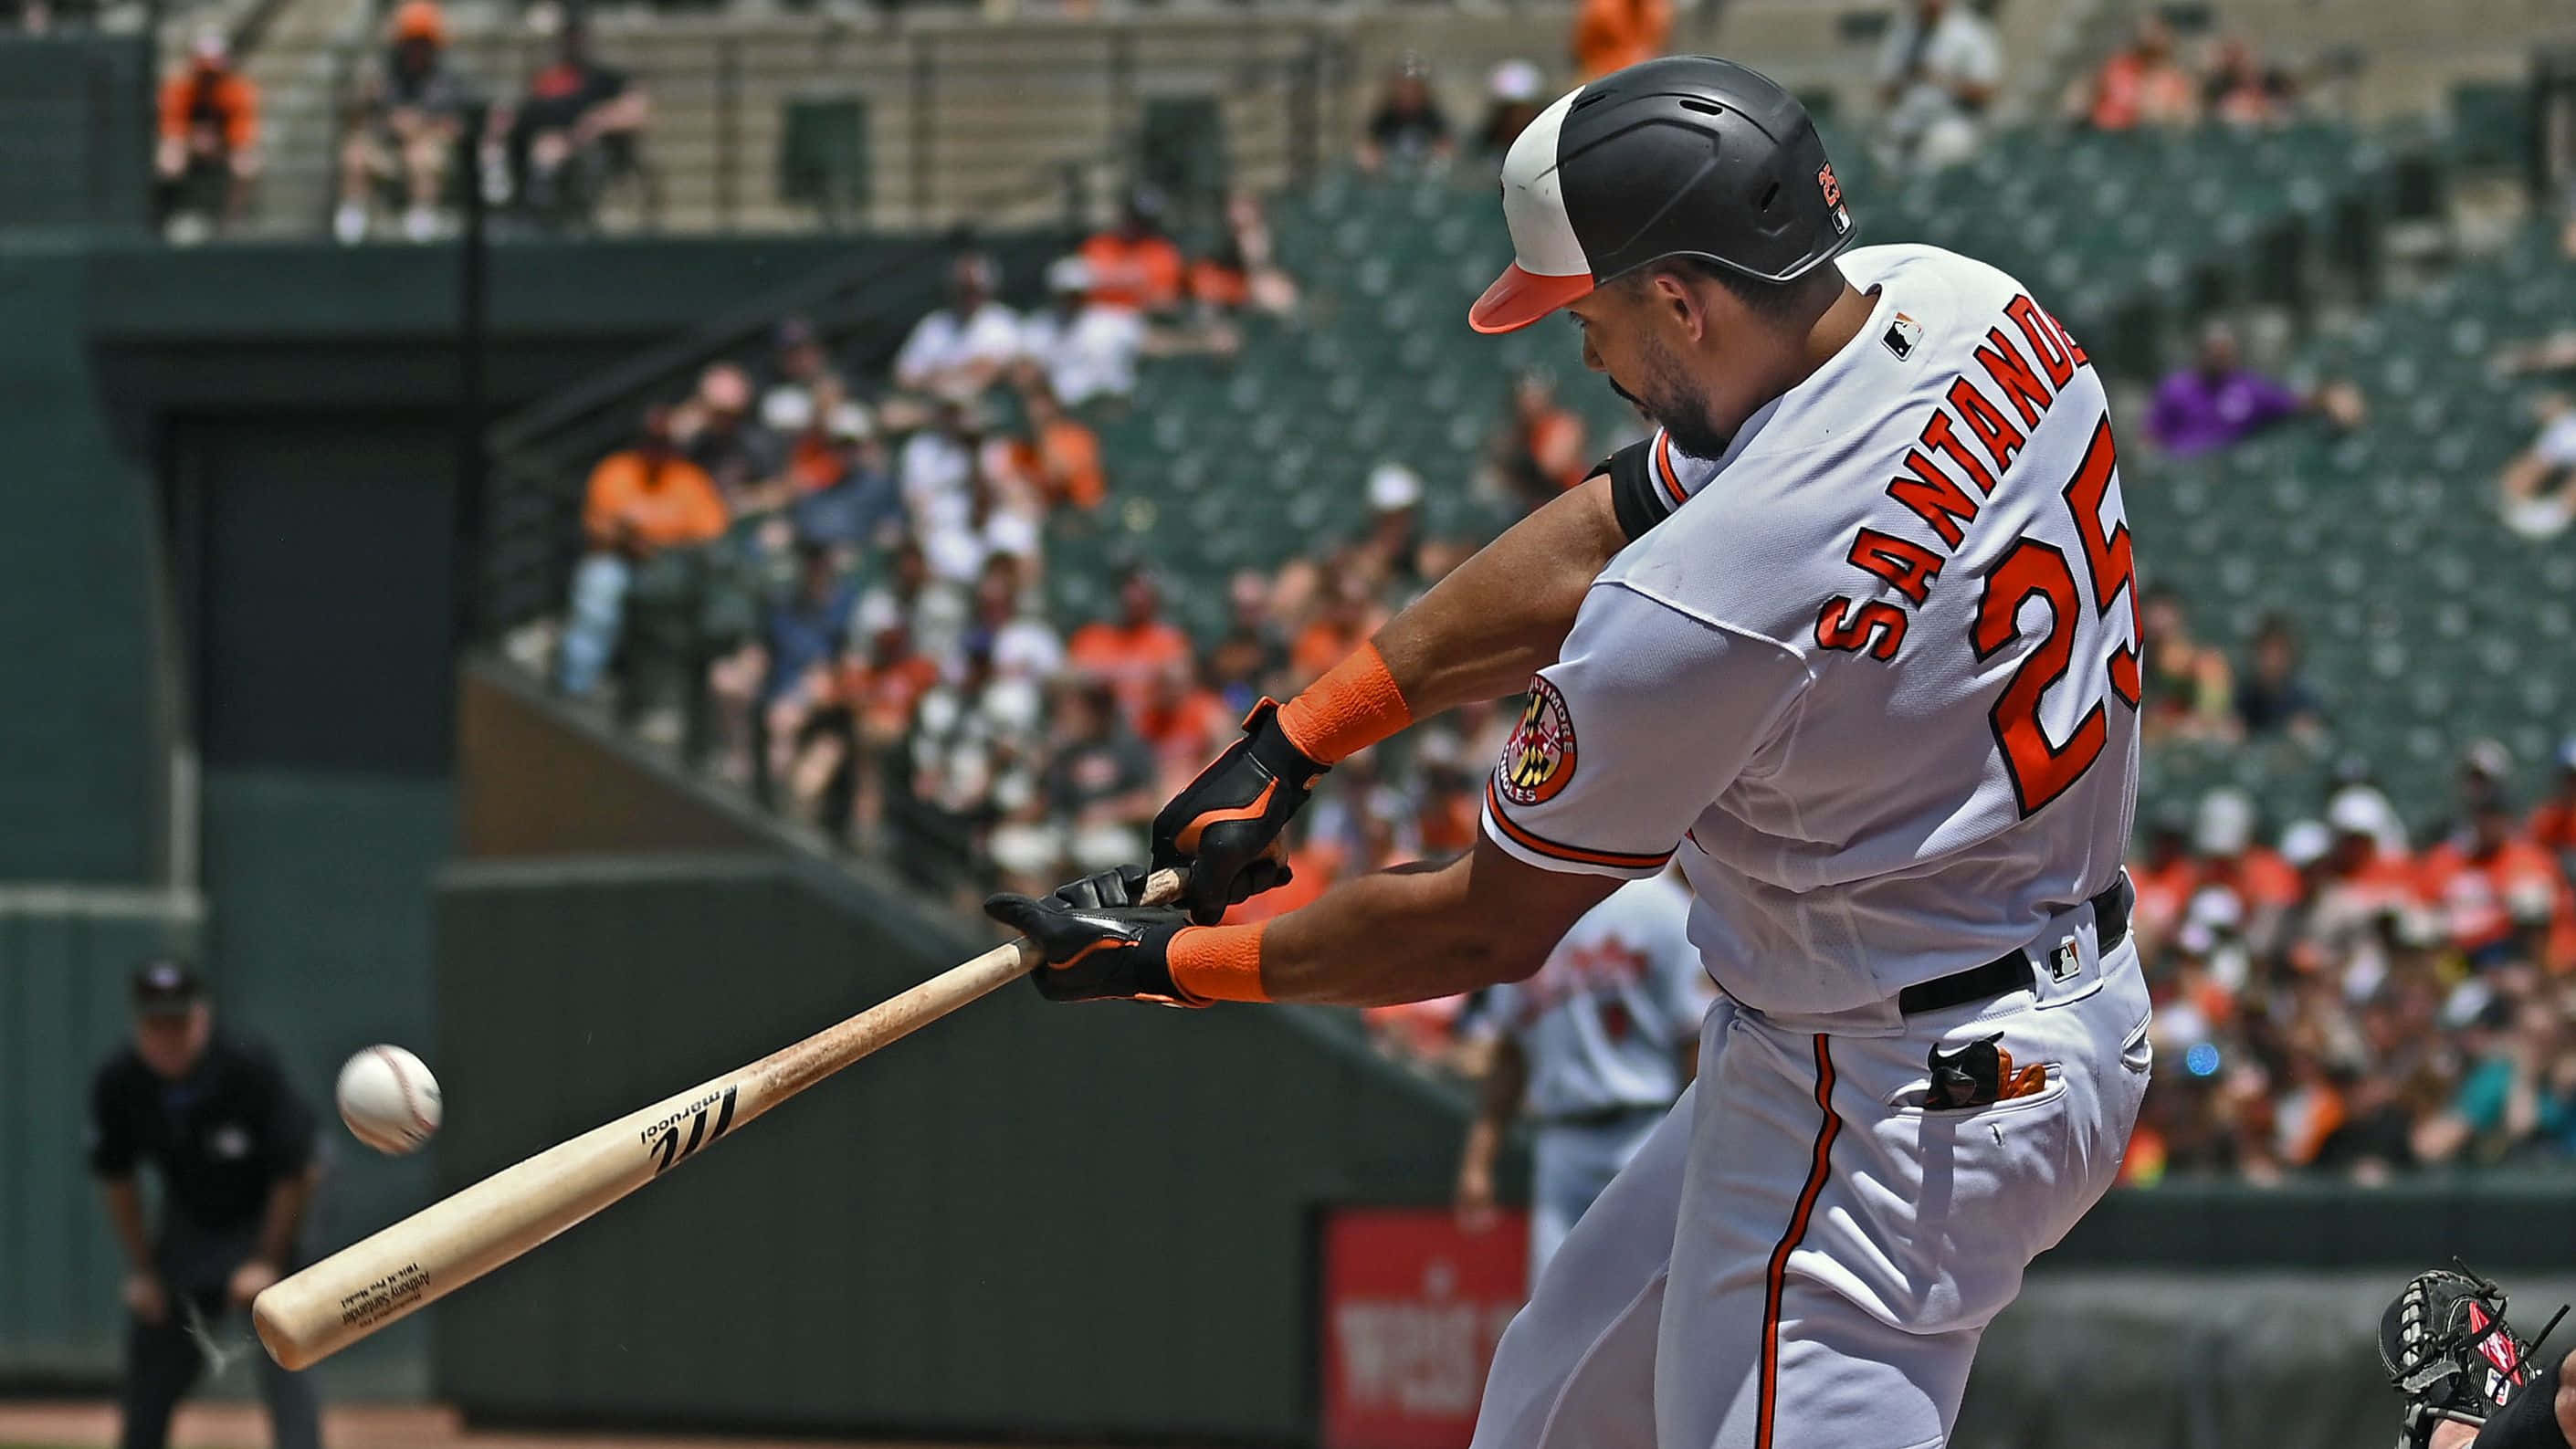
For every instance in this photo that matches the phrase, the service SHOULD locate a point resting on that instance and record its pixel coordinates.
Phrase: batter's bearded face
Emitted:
(1631, 341)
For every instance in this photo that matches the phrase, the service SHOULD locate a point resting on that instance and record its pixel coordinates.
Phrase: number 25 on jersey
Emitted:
(2041, 769)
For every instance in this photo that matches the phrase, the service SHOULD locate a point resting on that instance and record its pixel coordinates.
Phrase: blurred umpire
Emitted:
(234, 1147)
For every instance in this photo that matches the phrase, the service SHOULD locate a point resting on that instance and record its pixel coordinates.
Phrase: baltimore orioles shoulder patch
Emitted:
(1538, 759)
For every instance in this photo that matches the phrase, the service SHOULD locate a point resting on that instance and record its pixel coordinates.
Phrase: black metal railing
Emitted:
(803, 124)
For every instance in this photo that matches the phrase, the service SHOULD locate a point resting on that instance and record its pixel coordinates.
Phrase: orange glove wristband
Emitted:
(1217, 963)
(1353, 706)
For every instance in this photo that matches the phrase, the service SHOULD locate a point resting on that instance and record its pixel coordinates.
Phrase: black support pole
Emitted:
(472, 329)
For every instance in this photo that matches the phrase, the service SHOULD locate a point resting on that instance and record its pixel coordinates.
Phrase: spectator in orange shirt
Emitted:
(2361, 896)
(2162, 878)
(643, 500)
(2553, 821)
(1614, 34)
(1133, 264)
(2368, 856)
(2139, 84)
(1185, 723)
(1130, 654)
(870, 713)
(2501, 898)
(1445, 822)
(824, 432)
(2230, 858)
(1067, 453)
(209, 149)
(2308, 1108)
(1344, 619)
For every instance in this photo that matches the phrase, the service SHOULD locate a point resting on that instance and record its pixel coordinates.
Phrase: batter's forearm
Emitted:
(1398, 935)
(1481, 632)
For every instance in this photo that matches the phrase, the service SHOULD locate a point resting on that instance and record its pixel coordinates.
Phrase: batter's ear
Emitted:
(1690, 300)
(1675, 294)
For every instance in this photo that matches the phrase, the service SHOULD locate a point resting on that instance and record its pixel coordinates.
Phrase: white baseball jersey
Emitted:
(1876, 675)
(1602, 1022)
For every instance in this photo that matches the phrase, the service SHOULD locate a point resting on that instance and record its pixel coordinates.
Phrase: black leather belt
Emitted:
(2013, 971)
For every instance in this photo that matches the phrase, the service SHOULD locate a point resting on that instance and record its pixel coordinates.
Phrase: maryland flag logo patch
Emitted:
(1538, 759)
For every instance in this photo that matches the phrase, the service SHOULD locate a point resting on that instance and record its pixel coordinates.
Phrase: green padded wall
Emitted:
(75, 130)
(64, 955)
(1042, 1219)
(76, 734)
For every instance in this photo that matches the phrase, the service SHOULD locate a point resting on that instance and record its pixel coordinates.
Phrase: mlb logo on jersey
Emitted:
(1903, 335)
(2064, 962)
(1833, 190)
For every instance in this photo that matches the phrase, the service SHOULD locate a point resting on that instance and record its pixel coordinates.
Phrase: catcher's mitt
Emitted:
(2449, 1352)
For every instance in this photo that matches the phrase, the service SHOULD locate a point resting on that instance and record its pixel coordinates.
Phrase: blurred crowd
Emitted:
(1939, 73)
(2350, 1001)
(2145, 84)
(849, 570)
(1941, 67)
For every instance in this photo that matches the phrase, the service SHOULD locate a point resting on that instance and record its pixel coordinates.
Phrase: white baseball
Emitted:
(388, 1099)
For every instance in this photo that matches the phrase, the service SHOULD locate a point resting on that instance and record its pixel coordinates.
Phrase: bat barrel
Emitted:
(389, 1275)
(377, 1280)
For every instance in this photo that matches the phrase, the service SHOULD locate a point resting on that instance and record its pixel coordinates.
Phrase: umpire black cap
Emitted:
(1684, 156)
(165, 986)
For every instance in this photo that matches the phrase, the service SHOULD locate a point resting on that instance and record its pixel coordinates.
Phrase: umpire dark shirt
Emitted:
(220, 1136)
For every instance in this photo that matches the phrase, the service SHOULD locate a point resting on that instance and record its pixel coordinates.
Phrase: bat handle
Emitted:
(1161, 889)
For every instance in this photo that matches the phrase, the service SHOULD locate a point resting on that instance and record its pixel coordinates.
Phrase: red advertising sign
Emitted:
(1412, 1306)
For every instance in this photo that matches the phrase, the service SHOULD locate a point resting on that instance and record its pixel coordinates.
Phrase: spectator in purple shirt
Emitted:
(2218, 402)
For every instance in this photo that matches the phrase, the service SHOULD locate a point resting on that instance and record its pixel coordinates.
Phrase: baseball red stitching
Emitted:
(402, 1084)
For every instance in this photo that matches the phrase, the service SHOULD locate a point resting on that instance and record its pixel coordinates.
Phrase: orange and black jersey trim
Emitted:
(1538, 844)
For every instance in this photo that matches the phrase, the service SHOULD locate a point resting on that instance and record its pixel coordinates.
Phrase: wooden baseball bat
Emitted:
(326, 1307)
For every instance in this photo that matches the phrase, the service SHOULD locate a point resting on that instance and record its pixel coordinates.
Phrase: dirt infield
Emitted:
(92, 1425)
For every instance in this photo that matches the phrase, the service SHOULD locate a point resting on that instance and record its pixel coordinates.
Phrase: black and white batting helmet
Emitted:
(1684, 156)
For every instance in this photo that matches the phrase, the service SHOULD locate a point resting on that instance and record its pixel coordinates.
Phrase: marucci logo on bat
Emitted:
(663, 1141)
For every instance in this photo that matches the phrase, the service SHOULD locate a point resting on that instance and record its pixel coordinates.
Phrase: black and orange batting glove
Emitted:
(1099, 945)
(1222, 830)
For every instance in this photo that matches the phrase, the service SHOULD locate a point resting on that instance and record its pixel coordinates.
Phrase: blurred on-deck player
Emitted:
(234, 1147)
(1599, 1043)
(1854, 636)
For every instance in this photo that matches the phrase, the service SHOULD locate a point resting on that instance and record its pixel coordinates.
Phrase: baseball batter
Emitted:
(1854, 638)
(1597, 1045)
